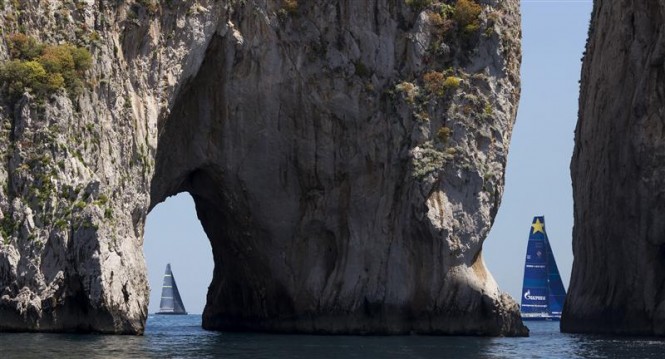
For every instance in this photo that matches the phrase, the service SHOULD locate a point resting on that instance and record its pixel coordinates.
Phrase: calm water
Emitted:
(182, 337)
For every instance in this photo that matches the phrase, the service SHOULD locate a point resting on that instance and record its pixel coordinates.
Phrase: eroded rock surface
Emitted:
(619, 175)
(346, 159)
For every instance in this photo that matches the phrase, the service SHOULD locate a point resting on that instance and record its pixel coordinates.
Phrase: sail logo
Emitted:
(528, 296)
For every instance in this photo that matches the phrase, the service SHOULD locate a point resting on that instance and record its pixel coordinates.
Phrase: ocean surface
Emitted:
(182, 337)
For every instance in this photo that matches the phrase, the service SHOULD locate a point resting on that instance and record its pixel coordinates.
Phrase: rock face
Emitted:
(618, 175)
(346, 159)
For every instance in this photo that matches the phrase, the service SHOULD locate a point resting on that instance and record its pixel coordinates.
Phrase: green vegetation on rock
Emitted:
(418, 4)
(428, 159)
(438, 83)
(456, 25)
(42, 69)
(443, 134)
(466, 14)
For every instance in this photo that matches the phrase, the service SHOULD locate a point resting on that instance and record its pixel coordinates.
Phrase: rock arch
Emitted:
(345, 178)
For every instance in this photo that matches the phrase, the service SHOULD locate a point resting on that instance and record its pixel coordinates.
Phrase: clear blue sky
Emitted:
(537, 178)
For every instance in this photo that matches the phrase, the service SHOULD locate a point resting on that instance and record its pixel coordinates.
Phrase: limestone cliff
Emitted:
(346, 159)
(618, 175)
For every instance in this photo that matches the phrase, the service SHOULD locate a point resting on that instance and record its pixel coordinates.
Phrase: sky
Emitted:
(537, 176)
(538, 180)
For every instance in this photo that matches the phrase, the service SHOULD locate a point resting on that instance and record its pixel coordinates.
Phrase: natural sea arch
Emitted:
(315, 221)
(341, 189)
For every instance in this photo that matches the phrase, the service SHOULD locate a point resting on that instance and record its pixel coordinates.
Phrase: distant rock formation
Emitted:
(618, 171)
(346, 159)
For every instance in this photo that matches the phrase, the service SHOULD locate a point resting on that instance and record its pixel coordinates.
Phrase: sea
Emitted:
(182, 337)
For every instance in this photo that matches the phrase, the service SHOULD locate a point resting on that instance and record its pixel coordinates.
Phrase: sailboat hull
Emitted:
(170, 313)
(542, 319)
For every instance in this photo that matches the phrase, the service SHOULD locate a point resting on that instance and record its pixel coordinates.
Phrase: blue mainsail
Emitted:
(543, 293)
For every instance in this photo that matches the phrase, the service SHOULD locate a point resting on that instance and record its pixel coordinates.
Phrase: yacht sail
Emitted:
(543, 293)
(171, 303)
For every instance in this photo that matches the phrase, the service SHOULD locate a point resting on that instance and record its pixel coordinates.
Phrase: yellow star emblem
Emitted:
(538, 226)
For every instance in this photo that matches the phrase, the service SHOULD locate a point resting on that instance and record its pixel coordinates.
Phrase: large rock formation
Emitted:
(617, 283)
(346, 159)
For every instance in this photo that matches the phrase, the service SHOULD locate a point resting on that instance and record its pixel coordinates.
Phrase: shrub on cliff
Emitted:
(20, 76)
(42, 69)
(69, 61)
(455, 26)
(466, 15)
(418, 4)
(24, 47)
(439, 84)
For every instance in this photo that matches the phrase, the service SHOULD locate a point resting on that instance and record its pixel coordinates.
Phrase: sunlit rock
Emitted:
(346, 159)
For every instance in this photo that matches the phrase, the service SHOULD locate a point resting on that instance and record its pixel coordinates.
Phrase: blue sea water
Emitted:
(182, 337)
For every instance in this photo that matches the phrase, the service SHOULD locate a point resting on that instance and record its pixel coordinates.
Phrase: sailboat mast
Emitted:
(548, 254)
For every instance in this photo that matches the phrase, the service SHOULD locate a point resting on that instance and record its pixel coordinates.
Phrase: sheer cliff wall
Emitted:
(346, 159)
(617, 282)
